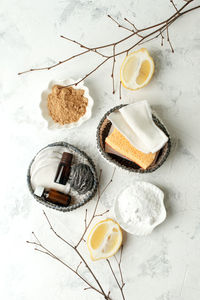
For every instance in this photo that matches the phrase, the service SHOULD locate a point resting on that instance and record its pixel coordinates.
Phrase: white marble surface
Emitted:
(163, 266)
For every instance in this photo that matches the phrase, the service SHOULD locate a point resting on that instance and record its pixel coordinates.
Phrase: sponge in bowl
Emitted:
(122, 146)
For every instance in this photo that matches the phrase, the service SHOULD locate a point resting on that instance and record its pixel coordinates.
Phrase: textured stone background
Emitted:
(162, 266)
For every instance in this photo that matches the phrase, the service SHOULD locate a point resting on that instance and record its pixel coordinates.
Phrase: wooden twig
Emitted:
(162, 39)
(119, 266)
(96, 206)
(83, 46)
(135, 28)
(172, 2)
(76, 83)
(119, 25)
(85, 219)
(78, 253)
(101, 214)
(41, 248)
(156, 30)
(44, 250)
(168, 39)
(113, 69)
(87, 288)
(78, 266)
(56, 64)
(109, 182)
(115, 277)
(120, 90)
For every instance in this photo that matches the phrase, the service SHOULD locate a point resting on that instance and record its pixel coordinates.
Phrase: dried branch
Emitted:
(155, 31)
(125, 19)
(85, 220)
(119, 25)
(120, 90)
(87, 288)
(96, 206)
(109, 182)
(44, 250)
(41, 248)
(172, 2)
(162, 38)
(77, 252)
(56, 64)
(78, 266)
(119, 266)
(113, 69)
(103, 62)
(135, 28)
(100, 215)
(85, 47)
(168, 39)
(115, 277)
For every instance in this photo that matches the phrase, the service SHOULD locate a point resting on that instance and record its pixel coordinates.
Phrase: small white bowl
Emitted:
(44, 108)
(147, 189)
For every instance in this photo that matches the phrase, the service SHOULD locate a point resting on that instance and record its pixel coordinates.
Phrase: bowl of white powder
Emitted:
(139, 208)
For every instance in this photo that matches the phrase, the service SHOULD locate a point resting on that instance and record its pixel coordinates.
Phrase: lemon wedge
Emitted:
(104, 239)
(137, 69)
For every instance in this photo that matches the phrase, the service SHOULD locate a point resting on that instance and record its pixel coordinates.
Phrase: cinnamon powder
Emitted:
(66, 104)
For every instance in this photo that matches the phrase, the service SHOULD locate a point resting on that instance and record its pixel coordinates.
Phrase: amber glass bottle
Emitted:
(63, 170)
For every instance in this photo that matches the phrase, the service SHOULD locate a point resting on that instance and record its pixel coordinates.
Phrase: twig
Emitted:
(120, 90)
(109, 182)
(78, 266)
(103, 62)
(155, 31)
(85, 220)
(83, 46)
(120, 286)
(119, 25)
(119, 266)
(41, 248)
(100, 215)
(78, 253)
(87, 288)
(113, 69)
(56, 64)
(174, 6)
(168, 39)
(135, 28)
(44, 250)
(162, 38)
(95, 208)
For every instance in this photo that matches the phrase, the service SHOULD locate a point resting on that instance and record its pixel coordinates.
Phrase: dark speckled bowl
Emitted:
(77, 200)
(102, 132)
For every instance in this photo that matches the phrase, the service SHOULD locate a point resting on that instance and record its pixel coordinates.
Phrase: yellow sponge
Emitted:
(120, 144)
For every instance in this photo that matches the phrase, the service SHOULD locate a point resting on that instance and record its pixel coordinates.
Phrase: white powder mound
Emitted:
(140, 206)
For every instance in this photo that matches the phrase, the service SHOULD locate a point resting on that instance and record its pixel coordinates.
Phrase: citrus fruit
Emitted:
(137, 69)
(104, 239)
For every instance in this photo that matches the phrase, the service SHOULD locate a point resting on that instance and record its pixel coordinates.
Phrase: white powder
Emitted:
(140, 205)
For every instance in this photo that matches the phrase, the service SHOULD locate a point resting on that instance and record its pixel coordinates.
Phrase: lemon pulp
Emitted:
(99, 235)
(144, 72)
(104, 240)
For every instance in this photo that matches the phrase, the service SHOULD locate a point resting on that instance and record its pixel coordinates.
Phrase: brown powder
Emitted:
(66, 104)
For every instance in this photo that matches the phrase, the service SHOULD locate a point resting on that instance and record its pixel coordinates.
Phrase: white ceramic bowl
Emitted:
(44, 108)
(140, 189)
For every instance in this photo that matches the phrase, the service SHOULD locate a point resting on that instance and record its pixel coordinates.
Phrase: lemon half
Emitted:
(104, 240)
(137, 69)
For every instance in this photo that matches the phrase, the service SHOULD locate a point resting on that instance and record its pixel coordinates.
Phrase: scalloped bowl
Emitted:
(44, 108)
(136, 190)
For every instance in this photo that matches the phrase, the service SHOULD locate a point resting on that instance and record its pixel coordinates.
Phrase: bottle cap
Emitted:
(66, 158)
(39, 191)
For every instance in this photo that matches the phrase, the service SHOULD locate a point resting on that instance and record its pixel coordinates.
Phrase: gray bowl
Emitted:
(103, 131)
(77, 200)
